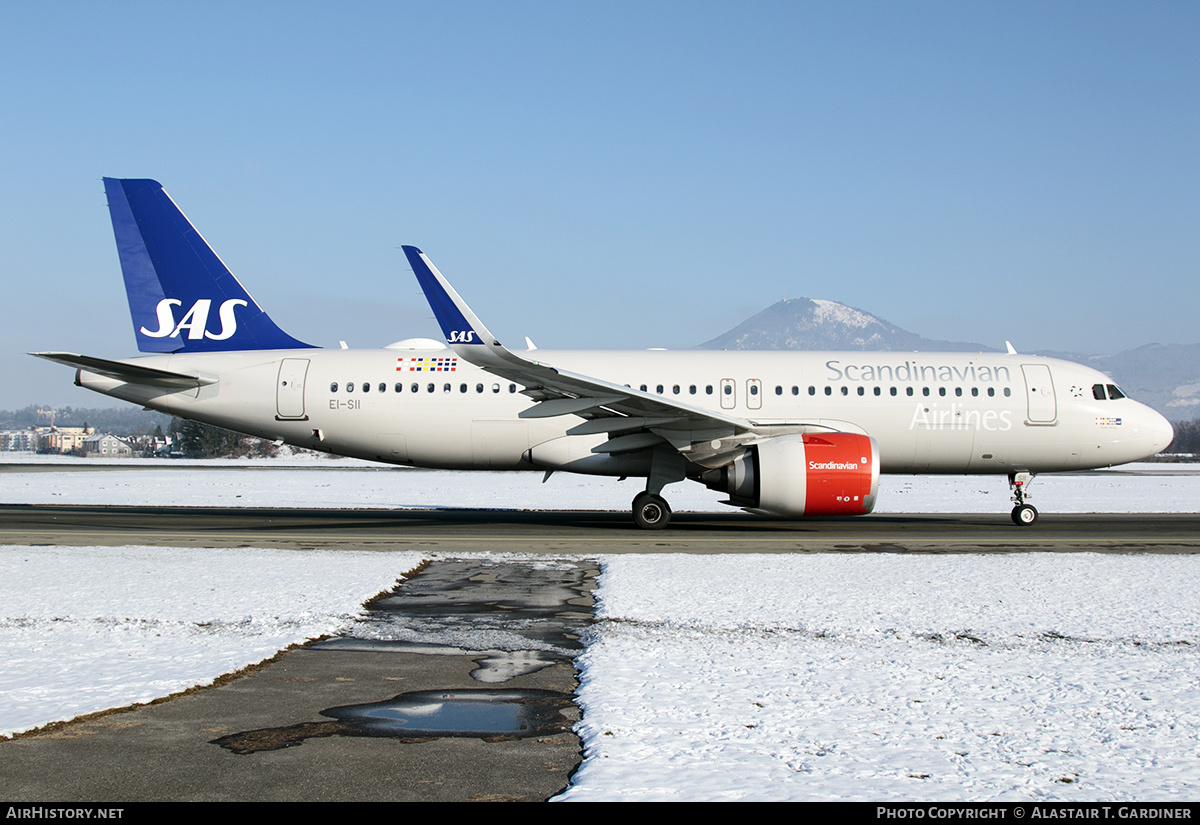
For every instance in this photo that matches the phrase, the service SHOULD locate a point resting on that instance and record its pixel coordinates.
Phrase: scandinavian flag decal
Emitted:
(426, 364)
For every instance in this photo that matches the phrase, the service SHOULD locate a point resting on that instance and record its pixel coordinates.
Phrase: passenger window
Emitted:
(708, 390)
(462, 387)
(991, 392)
(399, 387)
(845, 390)
(445, 388)
(366, 386)
(974, 392)
(829, 390)
(495, 388)
(333, 387)
(429, 387)
(958, 391)
(349, 386)
(1007, 392)
(512, 388)
(877, 391)
(908, 391)
(1114, 393)
(415, 388)
(692, 389)
(382, 387)
(893, 391)
(779, 390)
(862, 391)
(812, 390)
(754, 389)
(728, 389)
(925, 391)
(642, 388)
(658, 389)
(675, 390)
(942, 392)
(479, 388)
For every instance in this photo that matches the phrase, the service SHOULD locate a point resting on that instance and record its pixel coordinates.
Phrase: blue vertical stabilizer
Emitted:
(181, 296)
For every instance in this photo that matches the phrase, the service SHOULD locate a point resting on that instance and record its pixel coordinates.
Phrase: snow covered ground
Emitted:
(893, 677)
(88, 628)
(1034, 676)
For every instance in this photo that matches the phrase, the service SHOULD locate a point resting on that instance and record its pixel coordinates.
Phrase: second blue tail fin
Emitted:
(181, 296)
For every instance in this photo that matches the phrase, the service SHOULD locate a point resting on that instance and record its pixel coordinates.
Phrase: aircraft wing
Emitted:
(129, 373)
(632, 419)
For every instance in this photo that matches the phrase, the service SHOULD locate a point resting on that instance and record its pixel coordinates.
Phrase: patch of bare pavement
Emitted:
(457, 686)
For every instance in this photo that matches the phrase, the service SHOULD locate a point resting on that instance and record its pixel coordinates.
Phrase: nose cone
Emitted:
(1159, 431)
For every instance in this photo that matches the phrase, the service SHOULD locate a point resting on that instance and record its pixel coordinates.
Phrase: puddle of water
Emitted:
(487, 713)
(425, 714)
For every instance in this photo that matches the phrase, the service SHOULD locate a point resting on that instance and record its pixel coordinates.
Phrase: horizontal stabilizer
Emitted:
(129, 373)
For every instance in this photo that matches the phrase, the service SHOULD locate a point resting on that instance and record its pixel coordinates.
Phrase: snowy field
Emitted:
(89, 628)
(893, 677)
(882, 677)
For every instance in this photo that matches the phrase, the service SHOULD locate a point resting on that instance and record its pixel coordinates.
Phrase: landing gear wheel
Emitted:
(1024, 514)
(651, 512)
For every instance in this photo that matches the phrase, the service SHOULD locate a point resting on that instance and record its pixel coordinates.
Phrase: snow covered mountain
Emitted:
(814, 324)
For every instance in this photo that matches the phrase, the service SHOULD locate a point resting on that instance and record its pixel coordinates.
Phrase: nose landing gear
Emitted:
(1022, 514)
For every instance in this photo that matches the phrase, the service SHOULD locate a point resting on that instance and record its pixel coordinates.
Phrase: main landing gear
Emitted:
(1023, 514)
(651, 512)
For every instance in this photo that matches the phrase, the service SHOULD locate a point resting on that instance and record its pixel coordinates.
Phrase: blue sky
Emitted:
(612, 175)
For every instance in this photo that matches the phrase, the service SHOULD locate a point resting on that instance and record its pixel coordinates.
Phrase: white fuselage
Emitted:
(928, 412)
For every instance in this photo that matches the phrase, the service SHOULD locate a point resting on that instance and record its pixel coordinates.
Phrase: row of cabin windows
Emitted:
(1097, 390)
(779, 390)
(675, 390)
(415, 387)
(926, 392)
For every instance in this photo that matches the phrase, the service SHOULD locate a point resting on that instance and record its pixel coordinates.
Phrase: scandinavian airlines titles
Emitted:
(915, 371)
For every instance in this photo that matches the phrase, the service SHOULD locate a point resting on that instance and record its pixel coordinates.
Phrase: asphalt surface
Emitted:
(473, 531)
(397, 709)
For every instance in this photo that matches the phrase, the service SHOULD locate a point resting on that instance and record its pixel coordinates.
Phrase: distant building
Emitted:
(62, 439)
(23, 440)
(107, 446)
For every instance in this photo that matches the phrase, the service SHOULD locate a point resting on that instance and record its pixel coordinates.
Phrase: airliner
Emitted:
(789, 434)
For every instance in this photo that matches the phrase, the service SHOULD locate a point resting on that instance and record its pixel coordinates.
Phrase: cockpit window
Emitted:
(1098, 392)
(1114, 393)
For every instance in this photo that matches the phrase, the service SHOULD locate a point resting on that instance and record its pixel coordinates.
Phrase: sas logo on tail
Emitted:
(195, 320)
(462, 336)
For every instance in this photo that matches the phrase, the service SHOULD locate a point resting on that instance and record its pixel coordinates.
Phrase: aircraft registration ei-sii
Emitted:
(782, 433)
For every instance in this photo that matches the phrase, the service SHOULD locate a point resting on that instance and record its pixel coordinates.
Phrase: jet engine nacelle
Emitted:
(831, 474)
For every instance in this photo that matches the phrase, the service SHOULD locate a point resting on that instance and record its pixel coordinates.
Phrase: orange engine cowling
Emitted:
(830, 474)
